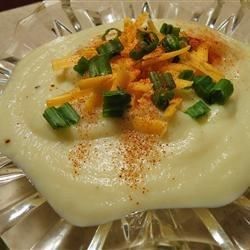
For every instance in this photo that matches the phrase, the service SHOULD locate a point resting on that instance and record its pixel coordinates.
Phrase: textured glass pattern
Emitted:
(26, 219)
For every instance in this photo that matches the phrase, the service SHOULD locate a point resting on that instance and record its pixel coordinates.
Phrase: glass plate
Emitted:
(26, 219)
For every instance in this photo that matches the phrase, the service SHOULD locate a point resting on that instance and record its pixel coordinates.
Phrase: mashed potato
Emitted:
(115, 172)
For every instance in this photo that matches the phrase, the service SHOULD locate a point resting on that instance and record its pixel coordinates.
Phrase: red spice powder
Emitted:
(145, 108)
(138, 152)
(79, 155)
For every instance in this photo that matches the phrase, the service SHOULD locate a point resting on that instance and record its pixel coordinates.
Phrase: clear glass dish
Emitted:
(26, 219)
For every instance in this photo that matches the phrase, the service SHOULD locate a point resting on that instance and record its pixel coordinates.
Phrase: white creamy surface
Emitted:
(206, 163)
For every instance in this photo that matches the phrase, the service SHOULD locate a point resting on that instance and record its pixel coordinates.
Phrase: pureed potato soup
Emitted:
(145, 115)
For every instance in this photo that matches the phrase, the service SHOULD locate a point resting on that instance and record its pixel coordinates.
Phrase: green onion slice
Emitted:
(171, 43)
(115, 103)
(68, 113)
(147, 42)
(212, 92)
(202, 86)
(61, 117)
(169, 80)
(187, 75)
(82, 66)
(112, 47)
(136, 53)
(197, 110)
(109, 33)
(161, 98)
(54, 118)
(99, 65)
(113, 112)
(221, 91)
(162, 80)
(166, 28)
(169, 29)
(176, 31)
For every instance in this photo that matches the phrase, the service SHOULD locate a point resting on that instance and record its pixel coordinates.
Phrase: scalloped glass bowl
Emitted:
(26, 219)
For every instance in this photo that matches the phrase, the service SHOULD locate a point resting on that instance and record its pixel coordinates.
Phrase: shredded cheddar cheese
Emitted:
(94, 100)
(165, 56)
(66, 62)
(202, 52)
(181, 84)
(141, 87)
(94, 82)
(148, 126)
(67, 97)
(172, 108)
(87, 52)
(121, 77)
(202, 66)
(178, 67)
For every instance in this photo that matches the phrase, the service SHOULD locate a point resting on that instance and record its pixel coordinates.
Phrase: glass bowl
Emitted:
(26, 219)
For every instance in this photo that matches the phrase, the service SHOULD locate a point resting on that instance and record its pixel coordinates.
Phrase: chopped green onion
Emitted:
(166, 28)
(176, 31)
(202, 86)
(68, 113)
(171, 43)
(113, 112)
(169, 29)
(211, 92)
(148, 42)
(61, 117)
(162, 80)
(169, 80)
(161, 98)
(99, 65)
(54, 118)
(155, 80)
(116, 97)
(198, 110)
(115, 103)
(112, 47)
(187, 75)
(108, 31)
(163, 84)
(221, 91)
(147, 37)
(147, 46)
(82, 66)
(136, 53)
